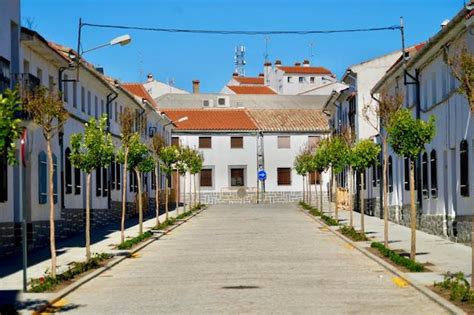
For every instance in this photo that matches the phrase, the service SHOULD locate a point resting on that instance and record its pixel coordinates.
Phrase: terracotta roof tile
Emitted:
(139, 90)
(212, 119)
(251, 89)
(250, 80)
(304, 70)
(286, 120)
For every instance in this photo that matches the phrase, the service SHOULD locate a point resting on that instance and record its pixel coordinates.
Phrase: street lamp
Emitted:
(176, 121)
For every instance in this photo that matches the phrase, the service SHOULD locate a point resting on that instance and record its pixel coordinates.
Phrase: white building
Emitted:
(445, 191)
(157, 88)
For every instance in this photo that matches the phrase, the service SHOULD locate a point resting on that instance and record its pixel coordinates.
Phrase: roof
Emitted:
(294, 120)
(138, 90)
(211, 119)
(251, 89)
(250, 80)
(413, 50)
(304, 70)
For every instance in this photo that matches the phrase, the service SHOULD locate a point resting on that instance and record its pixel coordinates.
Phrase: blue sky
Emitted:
(209, 58)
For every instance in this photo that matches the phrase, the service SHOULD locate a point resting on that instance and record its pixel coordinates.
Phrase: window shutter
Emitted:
(284, 176)
(98, 182)
(42, 178)
(206, 178)
(424, 164)
(55, 179)
(117, 173)
(105, 182)
(434, 174)
(464, 168)
(68, 171)
(77, 181)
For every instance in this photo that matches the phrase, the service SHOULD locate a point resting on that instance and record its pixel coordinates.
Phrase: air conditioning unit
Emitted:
(207, 103)
(223, 101)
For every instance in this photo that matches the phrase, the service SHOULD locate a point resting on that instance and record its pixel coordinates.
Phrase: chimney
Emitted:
(149, 77)
(100, 69)
(195, 86)
(278, 62)
(297, 64)
(235, 74)
(267, 67)
(306, 63)
(261, 75)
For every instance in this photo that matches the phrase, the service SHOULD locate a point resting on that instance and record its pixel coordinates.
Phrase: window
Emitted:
(68, 171)
(301, 80)
(51, 83)
(118, 175)
(39, 75)
(42, 178)
(311, 79)
(4, 74)
(236, 142)
(89, 103)
(284, 142)
(237, 177)
(55, 179)
(134, 182)
(206, 177)
(444, 83)
(464, 167)
(65, 89)
(74, 94)
(424, 169)
(96, 111)
(175, 141)
(112, 175)
(425, 94)
(221, 101)
(105, 182)
(434, 95)
(314, 178)
(288, 79)
(96, 104)
(205, 142)
(406, 179)
(390, 174)
(116, 112)
(284, 176)
(83, 99)
(102, 107)
(3, 178)
(153, 180)
(379, 171)
(98, 182)
(434, 174)
(77, 181)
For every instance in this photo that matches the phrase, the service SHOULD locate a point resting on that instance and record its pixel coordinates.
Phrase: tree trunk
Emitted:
(184, 193)
(124, 198)
(302, 178)
(166, 197)
(308, 184)
(336, 210)
(157, 197)
(190, 191)
(140, 205)
(315, 191)
(351, 217)
(362, 206)
(88, 216)
(176, 193)
(52, 233)
(199, 190)
(195, 196)
(385, 193)
(413, 211)
(321, 194)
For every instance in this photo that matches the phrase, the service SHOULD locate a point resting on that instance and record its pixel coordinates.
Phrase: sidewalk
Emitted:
(442, 253)
(103, 239)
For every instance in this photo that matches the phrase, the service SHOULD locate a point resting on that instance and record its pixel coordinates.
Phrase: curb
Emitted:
(114, 261)
(415, 284)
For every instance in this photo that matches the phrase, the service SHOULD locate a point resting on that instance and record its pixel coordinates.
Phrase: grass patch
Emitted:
(133, 241)
(353, 234)
(397, 258)
(328, 220)
(313, 211)
(457, 287)
(48, 283)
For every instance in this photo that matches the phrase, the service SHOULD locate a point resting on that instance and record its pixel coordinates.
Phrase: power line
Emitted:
(240, 32)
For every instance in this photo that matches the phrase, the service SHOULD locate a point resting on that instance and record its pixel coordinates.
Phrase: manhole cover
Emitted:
(241, 287)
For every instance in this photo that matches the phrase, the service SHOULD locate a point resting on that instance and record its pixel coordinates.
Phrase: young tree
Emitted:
(408, 137)
(185, 156)
(321, 164)
(46, 110)
(157, 142)
(139, 162)
(363, 154)
(127, 121)
(196, 161)
(90, 152)
(10, 128)
(387, 106)
(168, 158)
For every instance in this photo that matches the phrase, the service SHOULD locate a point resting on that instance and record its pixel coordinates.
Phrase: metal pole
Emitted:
(402, 33)
(78, 48)
(23, 219)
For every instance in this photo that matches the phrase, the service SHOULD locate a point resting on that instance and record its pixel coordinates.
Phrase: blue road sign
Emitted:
(262, 175)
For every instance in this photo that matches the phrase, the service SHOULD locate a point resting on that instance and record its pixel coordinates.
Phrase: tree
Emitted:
(168, 157)
(46, 109)
(10, 129)
(408, 137)
(303, 165)
(90, 152)
(387, 106)
(363, 154)
(182, 166)
(321, 164)
(337, 153)
(127, 121)
(157, 142)
(196, 161)
(139, 161)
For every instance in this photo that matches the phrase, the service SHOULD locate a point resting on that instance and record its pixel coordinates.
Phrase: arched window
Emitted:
(424, 166)
(390, 174)
(42, 178)
(68, 171)
(464, 167)
(434, 174)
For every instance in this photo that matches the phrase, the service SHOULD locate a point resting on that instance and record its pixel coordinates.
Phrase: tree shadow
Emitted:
(11, 304)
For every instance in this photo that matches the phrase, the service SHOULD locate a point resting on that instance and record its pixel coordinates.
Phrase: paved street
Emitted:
(248, 259)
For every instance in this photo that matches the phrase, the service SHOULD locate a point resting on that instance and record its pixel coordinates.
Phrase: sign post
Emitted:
(262, 176)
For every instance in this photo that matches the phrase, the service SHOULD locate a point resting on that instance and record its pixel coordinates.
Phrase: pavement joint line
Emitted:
(405, 277)
(94, 274)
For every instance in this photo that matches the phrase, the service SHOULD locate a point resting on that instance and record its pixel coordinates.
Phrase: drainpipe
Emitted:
(110, 98)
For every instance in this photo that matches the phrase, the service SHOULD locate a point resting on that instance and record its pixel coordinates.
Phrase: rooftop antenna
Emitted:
(311, 52)
(141, 72)
(239, 60)
(171, 83)
(267, 40)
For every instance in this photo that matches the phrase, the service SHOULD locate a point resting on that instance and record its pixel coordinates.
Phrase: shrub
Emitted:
(458, 286)
(353, 234)
(133, 241)
(329, 221)
(397, 258)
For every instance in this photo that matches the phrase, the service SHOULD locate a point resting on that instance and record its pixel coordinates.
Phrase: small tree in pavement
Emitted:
(92, 151)
(47, 111)
(196, 161)
(321, 164)
(156, 143)
(168, 158)
(408, 137)
(363, 154)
